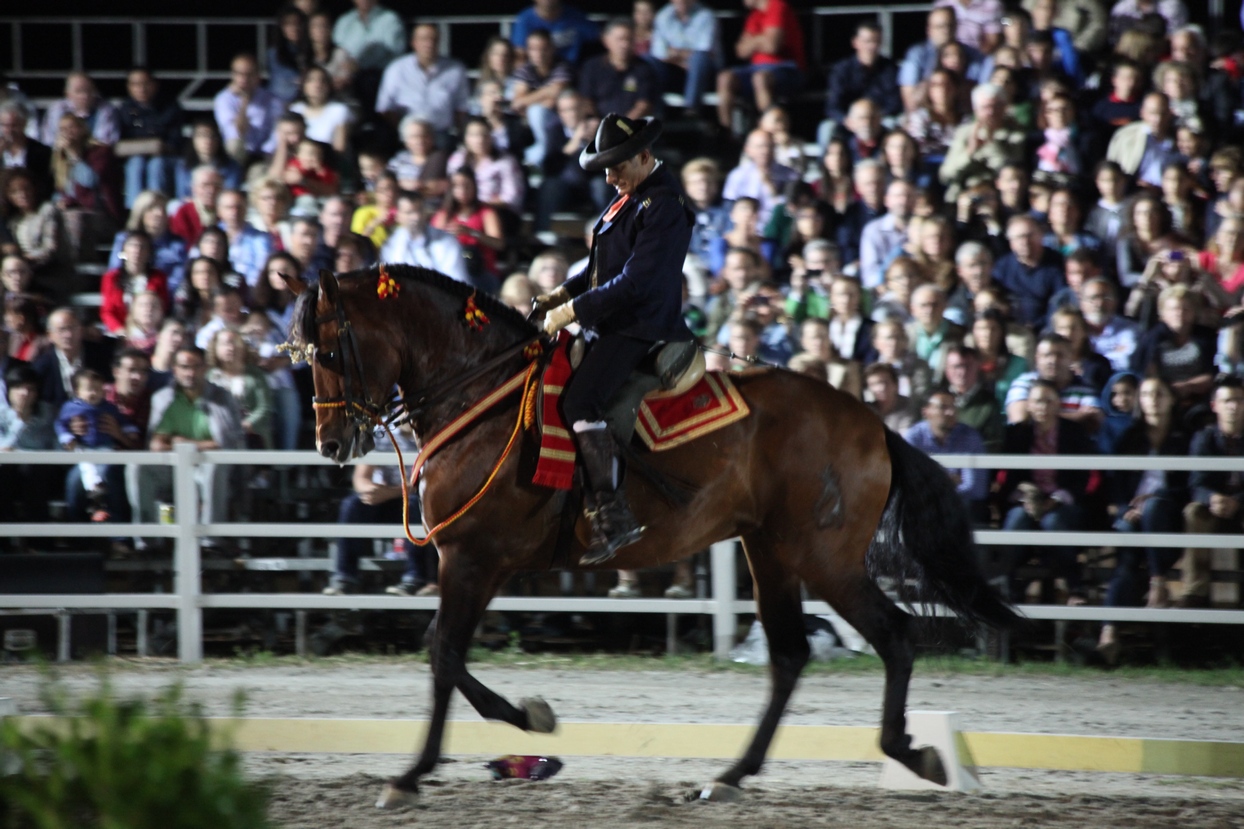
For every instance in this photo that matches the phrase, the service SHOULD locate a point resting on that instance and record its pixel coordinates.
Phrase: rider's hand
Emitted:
(543, 303)
(558, 318)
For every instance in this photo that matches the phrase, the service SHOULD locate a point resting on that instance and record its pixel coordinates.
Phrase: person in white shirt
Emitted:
(433, 88)
(414, 242)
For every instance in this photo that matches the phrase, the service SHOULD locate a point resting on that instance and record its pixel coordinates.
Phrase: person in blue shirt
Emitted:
(627, 298)
(1031, 272)
(940, 432)
(568, 26)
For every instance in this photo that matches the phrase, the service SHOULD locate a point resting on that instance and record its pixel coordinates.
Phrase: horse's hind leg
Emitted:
(862, 604)
(780, 607)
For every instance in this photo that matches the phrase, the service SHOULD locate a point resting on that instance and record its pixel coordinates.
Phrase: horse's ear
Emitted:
(295, 283)
(328, 287)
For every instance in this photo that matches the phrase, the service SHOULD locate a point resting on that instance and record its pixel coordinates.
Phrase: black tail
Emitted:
(924, 542)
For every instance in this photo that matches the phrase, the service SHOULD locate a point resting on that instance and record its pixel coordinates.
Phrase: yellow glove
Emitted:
(558, 318)
(546, 302)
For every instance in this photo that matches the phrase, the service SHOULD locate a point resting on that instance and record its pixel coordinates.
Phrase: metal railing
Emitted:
(189, 601)
(79, 29)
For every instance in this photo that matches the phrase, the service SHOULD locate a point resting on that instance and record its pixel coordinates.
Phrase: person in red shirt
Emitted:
(772, 45)
(307, 174)
(119, 285)
(199, 211)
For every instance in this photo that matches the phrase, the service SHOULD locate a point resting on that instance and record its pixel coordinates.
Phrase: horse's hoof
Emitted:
(540, 716)
(391, 797)
(718, 792)
(931, 767)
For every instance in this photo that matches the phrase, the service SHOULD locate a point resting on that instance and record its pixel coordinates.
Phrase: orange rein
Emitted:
(528, 380)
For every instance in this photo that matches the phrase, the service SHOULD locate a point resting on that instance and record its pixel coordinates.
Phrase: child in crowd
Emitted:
(307, 173)
(142, 324)
(376, 219)
(371, 165)
(89, 422)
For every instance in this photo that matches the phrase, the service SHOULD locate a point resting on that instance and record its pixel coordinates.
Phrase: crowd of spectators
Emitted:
(1023, 234)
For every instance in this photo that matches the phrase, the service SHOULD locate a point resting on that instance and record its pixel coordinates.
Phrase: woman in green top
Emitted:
(998, 364)
(233, 369)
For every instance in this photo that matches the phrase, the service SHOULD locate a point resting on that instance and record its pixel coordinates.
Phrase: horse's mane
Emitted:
(303, 329)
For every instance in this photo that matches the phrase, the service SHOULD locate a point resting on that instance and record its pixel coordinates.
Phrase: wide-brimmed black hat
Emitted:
(618, 138)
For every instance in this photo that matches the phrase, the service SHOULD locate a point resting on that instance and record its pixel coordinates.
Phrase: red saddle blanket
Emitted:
(663, 422)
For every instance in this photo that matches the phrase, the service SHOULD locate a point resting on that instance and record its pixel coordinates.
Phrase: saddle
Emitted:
(668, 370)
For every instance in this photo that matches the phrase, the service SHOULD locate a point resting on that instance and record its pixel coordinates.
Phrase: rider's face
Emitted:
(625, 177)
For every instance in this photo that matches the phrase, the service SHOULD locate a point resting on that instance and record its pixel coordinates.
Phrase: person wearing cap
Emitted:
(627, 297)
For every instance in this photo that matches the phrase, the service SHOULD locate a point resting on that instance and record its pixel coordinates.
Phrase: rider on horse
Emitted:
(628, 298)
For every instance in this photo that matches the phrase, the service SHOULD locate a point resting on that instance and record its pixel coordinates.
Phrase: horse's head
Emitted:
(354, 369)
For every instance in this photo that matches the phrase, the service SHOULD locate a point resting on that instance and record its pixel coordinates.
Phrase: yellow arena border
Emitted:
(794, 742)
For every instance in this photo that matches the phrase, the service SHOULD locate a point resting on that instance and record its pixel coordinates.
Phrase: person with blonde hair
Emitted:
(518, 291)
(270, 201)
(168, 251)
(548, 270)
(231, 365)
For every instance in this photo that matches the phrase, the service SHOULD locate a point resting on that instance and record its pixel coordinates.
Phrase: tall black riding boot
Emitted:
(613, 524)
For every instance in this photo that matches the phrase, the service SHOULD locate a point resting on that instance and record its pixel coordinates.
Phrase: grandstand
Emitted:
(978, 210)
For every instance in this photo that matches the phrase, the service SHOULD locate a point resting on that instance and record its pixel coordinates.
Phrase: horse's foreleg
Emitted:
(532, 714)
(779, 605)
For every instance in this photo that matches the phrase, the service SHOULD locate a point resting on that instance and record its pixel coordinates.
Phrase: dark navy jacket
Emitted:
(632, 284)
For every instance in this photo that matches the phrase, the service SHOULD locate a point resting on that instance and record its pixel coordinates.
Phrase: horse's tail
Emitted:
(925, 543)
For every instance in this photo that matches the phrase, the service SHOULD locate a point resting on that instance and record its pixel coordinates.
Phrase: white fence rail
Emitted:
(189, 601)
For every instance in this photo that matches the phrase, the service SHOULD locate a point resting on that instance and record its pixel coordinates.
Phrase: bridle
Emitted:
(395, 409)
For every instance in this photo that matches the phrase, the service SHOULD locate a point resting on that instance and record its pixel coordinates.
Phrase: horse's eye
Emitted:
(325, 357)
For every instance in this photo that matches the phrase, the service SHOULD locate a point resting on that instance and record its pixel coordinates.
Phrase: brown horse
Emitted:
(820, 491)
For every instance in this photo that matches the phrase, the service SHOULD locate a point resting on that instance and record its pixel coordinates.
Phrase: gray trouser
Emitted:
(155, 483)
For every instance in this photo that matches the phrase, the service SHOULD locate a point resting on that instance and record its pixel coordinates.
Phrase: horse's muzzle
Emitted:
(360, 443)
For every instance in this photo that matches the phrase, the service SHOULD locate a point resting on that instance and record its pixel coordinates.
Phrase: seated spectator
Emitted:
(192, 303)
(787, 147)
(84, 176)
(548, 271)
(231, 366)
(1143, 148)
(205, 148)
(739, 276)
(867, 74)
(1066, 231)
(136, 274)
(759, 176)
(89, 422)
(200, 210)
(537, 83)
(303, 244)
(214, 244)
(477, 227)
(172, 336)
(974, 273)
(934, 248)
(685, 41)
(21, 151)
(884, 236)
(150, 136)
(1045, 499)
(742, 232)
(372, 36)
(881, 393)
(861, 130)
(1178, 350)
(1123, 14)
(1146, 228)
(933, 122)
(290, 129)
(510, 134)
(99, 118)
(1091, 367)
(195, 411)
(701, 180)
(1019, 338)
(1178, 81)
(940, 432)
(246, 112)
(849, 330)
(308, 173)
(377, 219)
(978, 23)
(168, 252)
(570, 28)
(142, 325)
(270, 202)
(414, 242)
(999, 366)
(377, 499)
(290, 57)
(1121, 107)
(901, 157)
(425, 85)
(982, 146)
(869, 177)
(129, 391)
(248, 247)
(763, 305)
(497, 62)
(227, 312)
(1119, 405)
(327, 120)
(1053, 366)
(1226, 169)
(816, 344)
(1106, 218)
(1216, 496)
(891, 347)
(27, 423)
(976, 403)
(1187, 211)
(930, 333)
(69, 352)
(517, 291)
(1031, 272)
(334, 223)
(772, 45)
(498, 176)
(565, 182)
(420, 167)
(1223, 258)
(1085, 20)
(1171, 266)
(922, 58)
(1112, 336)
(328, 55)
(894, 297)
(835, 185)
(25, 333)
(1148, 502)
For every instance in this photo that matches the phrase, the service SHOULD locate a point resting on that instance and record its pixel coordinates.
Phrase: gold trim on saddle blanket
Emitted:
(726, 407)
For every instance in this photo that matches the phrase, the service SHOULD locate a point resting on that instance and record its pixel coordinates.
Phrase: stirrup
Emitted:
(604, 545)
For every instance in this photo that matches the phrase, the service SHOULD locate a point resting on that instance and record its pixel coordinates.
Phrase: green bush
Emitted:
(123, 764)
